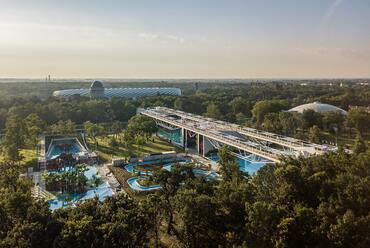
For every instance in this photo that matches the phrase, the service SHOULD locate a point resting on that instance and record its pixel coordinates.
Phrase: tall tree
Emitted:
(360, 145)
(311, 118)
(314, 134)
(93, 130)
(262, 108)
(239, 105)
(64, 127)
(358, 119)
(213, 111)
(34, 127)
(14, 138)
(228, 166)
(142, 124)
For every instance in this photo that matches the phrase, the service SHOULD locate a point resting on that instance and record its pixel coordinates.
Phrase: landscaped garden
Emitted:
(106, 151)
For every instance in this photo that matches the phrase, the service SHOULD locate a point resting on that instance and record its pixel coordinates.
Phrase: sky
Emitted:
(185, 39)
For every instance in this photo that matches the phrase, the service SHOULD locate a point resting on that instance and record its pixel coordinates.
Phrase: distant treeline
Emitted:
(254, 104)
(43, 89)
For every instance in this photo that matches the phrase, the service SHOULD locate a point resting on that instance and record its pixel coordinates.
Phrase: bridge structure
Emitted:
(207, 134)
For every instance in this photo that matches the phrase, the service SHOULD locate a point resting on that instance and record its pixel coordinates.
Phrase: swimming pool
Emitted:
(244, 165)
(210, 175)
(132, 182)
(103, 191)
(69, 146)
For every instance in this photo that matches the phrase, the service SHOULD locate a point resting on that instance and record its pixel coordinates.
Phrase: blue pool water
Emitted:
(56, 150)
(245, 166)
(65, 200)
(132, 182)
(210, 175)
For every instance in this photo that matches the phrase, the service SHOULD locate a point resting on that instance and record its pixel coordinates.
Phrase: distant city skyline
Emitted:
(185, 39)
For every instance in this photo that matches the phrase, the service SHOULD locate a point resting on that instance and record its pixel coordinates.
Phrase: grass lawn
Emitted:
(344, 139)
(107, 152)
(29, 157)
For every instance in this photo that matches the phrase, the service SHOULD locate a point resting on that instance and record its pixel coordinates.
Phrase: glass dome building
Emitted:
(317, 107)
(97, 90)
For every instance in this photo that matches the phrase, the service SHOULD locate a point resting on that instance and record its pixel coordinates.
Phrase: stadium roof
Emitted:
(120, 92)
(97, 84)
(317, 107)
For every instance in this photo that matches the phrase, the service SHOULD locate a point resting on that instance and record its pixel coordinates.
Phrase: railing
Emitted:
(271, 154)
(292, 143)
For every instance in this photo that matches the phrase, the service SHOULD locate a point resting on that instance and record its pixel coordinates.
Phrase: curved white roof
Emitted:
(120, 92)
(317, 107)
(97, 84)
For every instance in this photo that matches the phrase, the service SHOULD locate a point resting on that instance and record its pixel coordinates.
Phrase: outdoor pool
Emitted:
(65, 200)
(132, 182)
(244, 165)
(210, 175)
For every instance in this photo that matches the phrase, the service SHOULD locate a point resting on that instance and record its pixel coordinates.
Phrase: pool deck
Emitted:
(108, 176)
(207, 162)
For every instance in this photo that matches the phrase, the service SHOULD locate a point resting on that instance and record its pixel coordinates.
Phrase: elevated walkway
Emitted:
(246, 139)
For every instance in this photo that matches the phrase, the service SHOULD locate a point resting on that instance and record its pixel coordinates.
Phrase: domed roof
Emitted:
(97, 84)
(317, 107)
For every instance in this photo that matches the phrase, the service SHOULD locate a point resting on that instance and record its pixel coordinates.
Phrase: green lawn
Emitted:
(107, 152)
(29, 157)
(343, 139)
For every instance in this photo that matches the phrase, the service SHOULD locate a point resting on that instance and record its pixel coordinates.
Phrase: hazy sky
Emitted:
(185, 39)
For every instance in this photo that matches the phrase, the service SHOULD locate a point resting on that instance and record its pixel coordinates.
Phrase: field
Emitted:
(106, 152)
(29, 157)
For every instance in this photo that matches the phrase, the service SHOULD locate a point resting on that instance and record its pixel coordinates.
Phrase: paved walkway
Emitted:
(108, 176)
(203, 160)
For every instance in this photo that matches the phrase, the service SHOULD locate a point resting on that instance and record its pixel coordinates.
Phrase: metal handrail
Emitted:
(235, 143)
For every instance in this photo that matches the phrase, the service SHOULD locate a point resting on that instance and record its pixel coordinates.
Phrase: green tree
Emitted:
(128, 139)
(239, 105)
(213, 111)
(240, 118)
(14, 138)
(358, 119)
(170, 182)
(142, 124)
(311, 118)
(64, 127)
(93, 130)
(271, 123)
(333, 120)
(262, 108)
(197, 213)
(122, 110)
(314, 135)
(229, 168)
(289, 122)
(116, 128)
(360, 145)
(34, 127)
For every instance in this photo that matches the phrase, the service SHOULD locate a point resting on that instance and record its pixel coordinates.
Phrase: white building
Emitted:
(97, 90)
(317, 107)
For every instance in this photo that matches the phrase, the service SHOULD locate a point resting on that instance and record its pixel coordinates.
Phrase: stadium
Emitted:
(97, 90)
(318, 107)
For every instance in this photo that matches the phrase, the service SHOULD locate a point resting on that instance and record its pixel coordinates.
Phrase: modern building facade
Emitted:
(57, 150)
(97, 90)
(203, 135)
